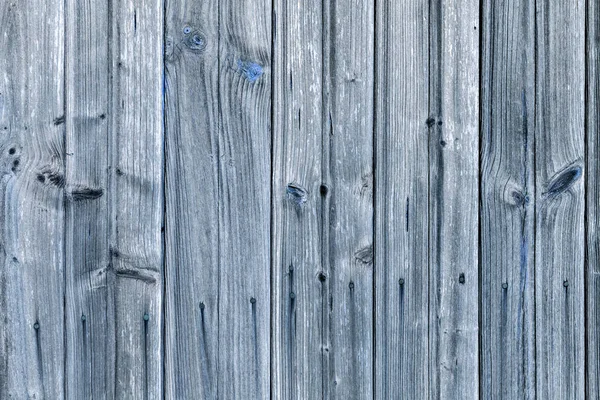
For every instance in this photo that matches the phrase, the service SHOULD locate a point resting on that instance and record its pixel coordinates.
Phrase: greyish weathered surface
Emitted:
(135, 146)
(559, 198)
(89, 298)
(592, 220)
(347, 193)
(322, 199)
(401, 201)
(192, 258)
(338, 199)
(32, 214)
(244, 163)
(453, 199)
(507, 200)
(300, 349)
(218, 198)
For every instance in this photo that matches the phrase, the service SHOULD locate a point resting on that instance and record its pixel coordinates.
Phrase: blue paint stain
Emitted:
(251, 70)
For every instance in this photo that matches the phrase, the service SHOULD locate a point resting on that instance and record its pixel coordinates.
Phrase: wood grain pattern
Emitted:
(192, 231)
(218, 62)
(592, 211)
(244, 190)
(90, 282)
(136, 196)
(299, 199)
(31, 243)
(507, 200)
(402, 202)
(347, 174)
(559, 158)
(300, 350)
(453, 200)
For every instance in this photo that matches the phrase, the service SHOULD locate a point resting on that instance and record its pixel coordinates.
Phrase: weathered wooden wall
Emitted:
(259, 199)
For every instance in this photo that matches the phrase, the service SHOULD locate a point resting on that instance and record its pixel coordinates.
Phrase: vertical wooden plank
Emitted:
(401, 200)
(244, 191)
(136, 195)
(454, 195)
(507, 203)
(299, 299)
(347, 192)
(90, 333)
(31, 142)
(192, 231)
(592, 220)
(559, 244)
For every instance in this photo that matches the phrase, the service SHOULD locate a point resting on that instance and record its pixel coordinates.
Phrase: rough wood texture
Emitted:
(559, 196)
(218, 147)
(347, 192)
(244, 191)
(323, 185)
(136, 196)
(453, 199)
(192, 231)
(32, 217)
(592, 220)
(89, 299)
(401, 201)
(507, 200)
(337, 199)
(300, 301)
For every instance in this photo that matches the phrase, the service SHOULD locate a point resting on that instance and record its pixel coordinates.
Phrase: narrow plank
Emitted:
(592, 182)
(136, 196)
(90, 332)
(300, 349)
(401, 201)
(347, 190)
(244, 191)
(507, 200)
(192, 202)
(32, 246)
(453, 212)
(559, 223)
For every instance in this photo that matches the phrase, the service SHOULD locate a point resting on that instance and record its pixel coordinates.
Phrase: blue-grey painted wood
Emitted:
(507, 200)
(559, 199)
(32, 216)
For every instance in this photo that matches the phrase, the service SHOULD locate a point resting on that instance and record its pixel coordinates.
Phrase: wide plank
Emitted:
(136, 144)
(401, 201)
(32, 213)
(559, 196)
(89, 300)
(347, 192)
(454, 200)
(592, 211)
(192, 206)
(299, 355)
(507, 200)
